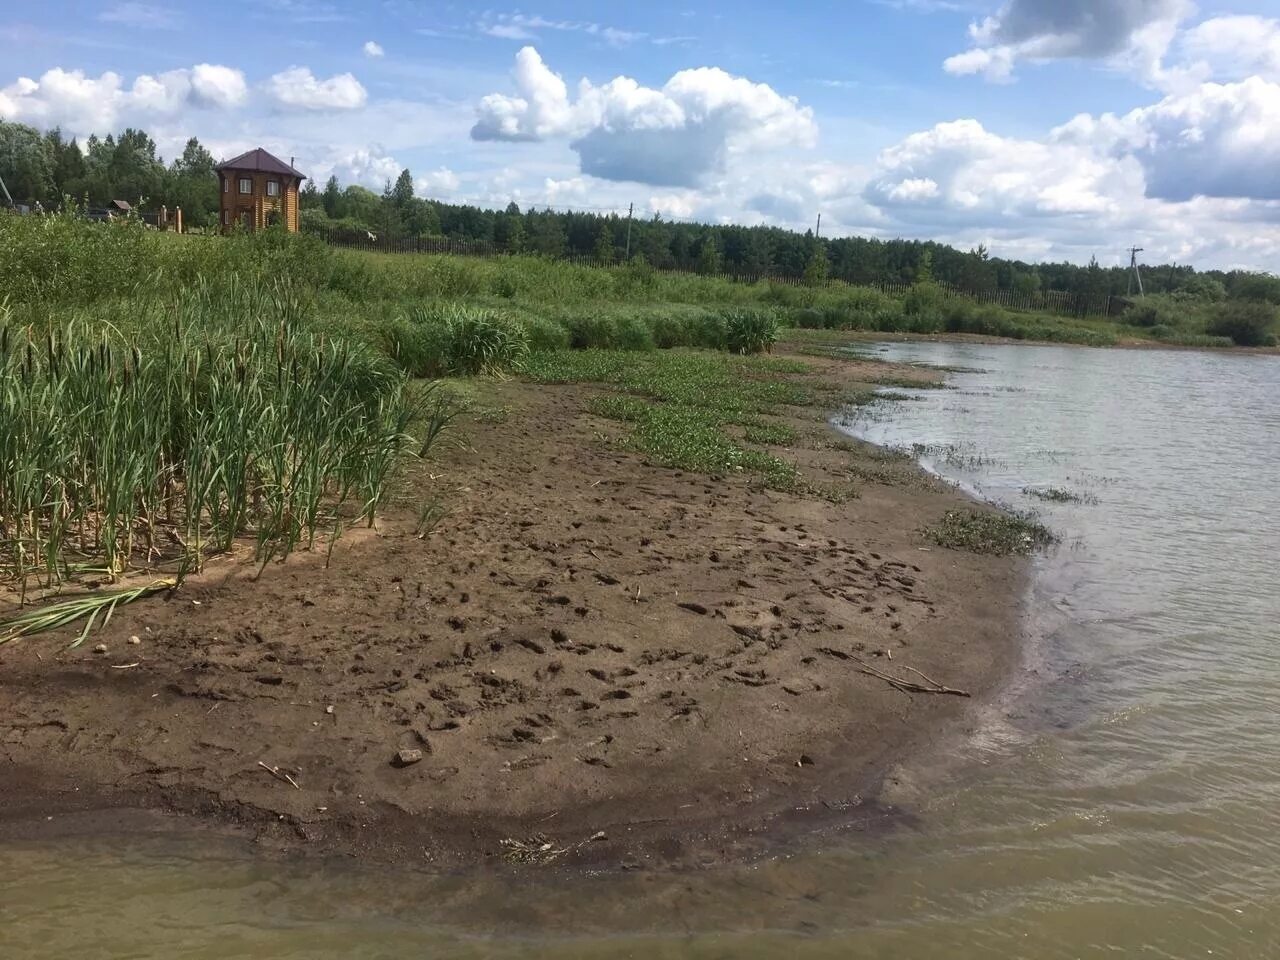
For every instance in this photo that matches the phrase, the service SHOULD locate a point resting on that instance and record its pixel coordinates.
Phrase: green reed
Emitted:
(116, 455)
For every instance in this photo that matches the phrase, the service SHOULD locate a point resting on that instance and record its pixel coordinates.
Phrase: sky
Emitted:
(1043, 129)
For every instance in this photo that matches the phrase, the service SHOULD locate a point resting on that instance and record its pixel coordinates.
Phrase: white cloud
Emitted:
(1042, 30)
(520, 26)
(438, 184)
(1234, 47)
(145, 16)
(674, 136)
(368, 167)
(1222, 140)
(297, 88)
(373, 49)
(217, 86)
(83, 104)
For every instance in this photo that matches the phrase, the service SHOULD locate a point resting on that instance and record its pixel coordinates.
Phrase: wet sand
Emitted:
(589, 660)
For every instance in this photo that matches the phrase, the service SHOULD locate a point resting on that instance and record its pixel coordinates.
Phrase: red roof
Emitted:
(262, 162)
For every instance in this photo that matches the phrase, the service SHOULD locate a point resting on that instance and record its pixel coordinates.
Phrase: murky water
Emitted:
(1122, 800)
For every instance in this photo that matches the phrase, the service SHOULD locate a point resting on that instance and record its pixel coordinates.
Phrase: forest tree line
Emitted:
(44, 168)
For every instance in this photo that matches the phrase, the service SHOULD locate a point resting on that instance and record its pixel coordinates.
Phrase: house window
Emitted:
(226, 218)
(246, 185)
(273, 188)
(226, 185)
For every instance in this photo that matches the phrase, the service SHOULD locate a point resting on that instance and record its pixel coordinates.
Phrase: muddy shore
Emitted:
(588, 659)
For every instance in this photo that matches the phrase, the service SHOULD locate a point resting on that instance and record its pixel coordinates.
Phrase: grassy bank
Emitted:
(54, 270)
(163, 398)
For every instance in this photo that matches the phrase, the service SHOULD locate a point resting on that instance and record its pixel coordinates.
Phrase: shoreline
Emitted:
(643, 661)
(799, 337)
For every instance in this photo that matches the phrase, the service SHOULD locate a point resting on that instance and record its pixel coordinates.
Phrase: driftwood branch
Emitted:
(903, 684)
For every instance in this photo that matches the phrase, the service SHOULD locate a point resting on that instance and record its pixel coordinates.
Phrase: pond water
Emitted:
(1122, 797)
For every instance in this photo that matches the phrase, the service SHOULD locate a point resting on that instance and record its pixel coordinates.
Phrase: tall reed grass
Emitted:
(120, 455)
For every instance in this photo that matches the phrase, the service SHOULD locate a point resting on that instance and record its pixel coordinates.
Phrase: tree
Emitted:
(193, 185)
(818, 268)
(331, 199)
(546, 234)
(508, 230)
(25, 163)
(309, 197)
(402, 192)
(924, 268)
(420, 218)
(978, 274)
(604, 252)
(708, 254)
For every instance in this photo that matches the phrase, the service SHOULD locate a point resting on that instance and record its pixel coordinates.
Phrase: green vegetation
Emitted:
(1059, 495)
(1203, 317)
(678, 404)
(120, 457)
(984, 531)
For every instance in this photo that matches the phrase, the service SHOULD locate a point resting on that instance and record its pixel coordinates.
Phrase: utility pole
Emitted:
(630, 209)
(817, 231)
(1133, 263)
(5, 190)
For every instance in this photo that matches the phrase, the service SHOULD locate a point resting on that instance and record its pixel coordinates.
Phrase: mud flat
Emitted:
(587, 660)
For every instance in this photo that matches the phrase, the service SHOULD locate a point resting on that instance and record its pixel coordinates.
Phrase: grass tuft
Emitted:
(984, 531)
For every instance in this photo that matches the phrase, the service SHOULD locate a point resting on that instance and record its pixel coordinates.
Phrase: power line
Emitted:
(1133, 263)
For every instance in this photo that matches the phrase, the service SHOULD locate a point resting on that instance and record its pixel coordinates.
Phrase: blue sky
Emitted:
(1046, 129)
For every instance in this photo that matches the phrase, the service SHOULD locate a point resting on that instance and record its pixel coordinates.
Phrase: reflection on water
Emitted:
(1123, 798)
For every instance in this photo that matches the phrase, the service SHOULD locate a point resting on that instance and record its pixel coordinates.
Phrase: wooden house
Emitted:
(258, 191)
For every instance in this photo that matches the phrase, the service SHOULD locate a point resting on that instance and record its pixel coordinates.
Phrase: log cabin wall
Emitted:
(255, 208)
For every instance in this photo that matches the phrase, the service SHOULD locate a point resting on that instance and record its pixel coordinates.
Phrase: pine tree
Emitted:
(331, 199)
(709, 254)
(604, 252)
(818, 268)
(402, 192)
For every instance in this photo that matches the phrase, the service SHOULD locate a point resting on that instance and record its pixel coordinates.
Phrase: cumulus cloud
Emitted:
(1043, 30)
(441, 182)
(373, 49)
(1222, 140)
(299, 89)
(1234, 47)
(959, 171)
(367, 167)
(83, 104)
(674, 136)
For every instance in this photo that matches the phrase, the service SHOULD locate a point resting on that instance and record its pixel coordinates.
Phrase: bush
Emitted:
(632, 333)
(751, 331)
(546, 334)
(461, 341)
(809, 318)
(1249, 323)
(588, 330)
(923, 306)
(1152, 312)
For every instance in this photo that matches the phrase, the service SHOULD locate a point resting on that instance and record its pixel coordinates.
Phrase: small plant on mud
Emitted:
(983, 531)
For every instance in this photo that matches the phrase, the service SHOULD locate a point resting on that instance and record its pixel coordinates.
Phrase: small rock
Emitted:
(135, 640)
(329, 709)
(598, 836)
(406, 757)
(100, 648)
(804, 761)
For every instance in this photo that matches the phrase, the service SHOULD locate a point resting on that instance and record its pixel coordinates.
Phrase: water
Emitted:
(1122, 798)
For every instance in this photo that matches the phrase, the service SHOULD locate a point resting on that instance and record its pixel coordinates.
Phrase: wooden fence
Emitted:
(1059, 302)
